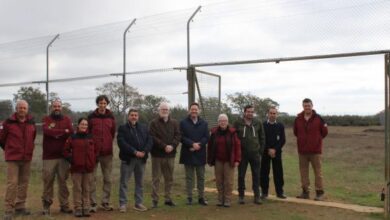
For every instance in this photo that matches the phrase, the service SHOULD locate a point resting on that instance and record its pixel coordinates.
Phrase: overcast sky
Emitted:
(91, 34)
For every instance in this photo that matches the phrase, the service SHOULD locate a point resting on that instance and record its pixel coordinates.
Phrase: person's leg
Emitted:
(24, 176)
(304, 171)
(124, 179)
(241, 176)
(190, 176)
(255, 169)
(318, 180)
(86, 193)
(106, 165)
(12, 186)
(139, 171)
(93, 179)
(277, 169)
(264, 174)
(219, 181)
(228, 179)
(168, 168)
(63, 191)
(49, 170)
(156, 174)
(200, 179)
(77, 192)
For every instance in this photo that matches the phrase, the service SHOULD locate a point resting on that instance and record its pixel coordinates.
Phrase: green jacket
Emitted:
(252, 137)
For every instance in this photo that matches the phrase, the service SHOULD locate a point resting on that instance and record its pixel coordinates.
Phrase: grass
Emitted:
(353, 170)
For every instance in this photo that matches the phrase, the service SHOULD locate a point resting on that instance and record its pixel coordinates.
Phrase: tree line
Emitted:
(147, 104)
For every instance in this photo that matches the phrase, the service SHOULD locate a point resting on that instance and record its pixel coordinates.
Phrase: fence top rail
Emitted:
(299, 58)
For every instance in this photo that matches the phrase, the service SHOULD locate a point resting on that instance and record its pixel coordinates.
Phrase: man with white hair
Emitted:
(17, 140)
(166, 137)
(56, 130)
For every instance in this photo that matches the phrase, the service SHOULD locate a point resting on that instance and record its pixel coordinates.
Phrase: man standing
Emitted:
(134, 143)
(310, 129)
(56, 130)
(166, 137)
(251, 133)
(194, 137)
(275, 139)
(101, 124)
(17, 140)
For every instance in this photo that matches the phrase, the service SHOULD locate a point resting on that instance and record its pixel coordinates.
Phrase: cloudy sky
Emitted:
(91, 33)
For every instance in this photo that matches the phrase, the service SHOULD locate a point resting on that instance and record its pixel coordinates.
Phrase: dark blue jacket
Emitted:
(274, 136)
(193, 133)
(131, 139)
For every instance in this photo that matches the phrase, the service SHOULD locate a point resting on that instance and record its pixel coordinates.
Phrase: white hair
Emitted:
(223, 116)
(56, 100)
(21, 101)
(163, 104)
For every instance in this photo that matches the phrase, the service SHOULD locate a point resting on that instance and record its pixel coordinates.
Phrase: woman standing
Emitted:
(224, 152)
(81, 152)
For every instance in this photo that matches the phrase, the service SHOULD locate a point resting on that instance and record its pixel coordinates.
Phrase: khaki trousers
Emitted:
(164, 167)
(106, 166)
(18, 175)
(51, 169)
(224, 176)
(315, 161)
(81, 190)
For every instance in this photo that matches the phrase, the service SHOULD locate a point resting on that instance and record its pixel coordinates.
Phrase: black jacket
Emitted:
(274, 136)
(131, 139)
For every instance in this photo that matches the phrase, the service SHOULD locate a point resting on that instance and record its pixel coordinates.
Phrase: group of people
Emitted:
(247, 141)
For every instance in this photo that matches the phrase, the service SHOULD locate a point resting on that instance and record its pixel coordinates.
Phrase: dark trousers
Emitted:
(277, 170)
(254, 160)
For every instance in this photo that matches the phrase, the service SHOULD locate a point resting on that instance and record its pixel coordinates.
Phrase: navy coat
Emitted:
(193, 133)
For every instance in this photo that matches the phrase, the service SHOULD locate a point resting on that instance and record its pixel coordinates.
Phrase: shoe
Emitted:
(220, 203)
(86, 212)
(154, 204)
(170, 203)
(264, 196)
(281, 196)
(189, 201)
(202, 201)
(107, 207)
(241, 200)
(227, 204)
(8, 216)
(122, 208)
(93, 208)
(78, 213)
(140, 208)
(304, 195)
(319, 195)
(46, 208)
(22, 211)
(66, 210)
(257, 200)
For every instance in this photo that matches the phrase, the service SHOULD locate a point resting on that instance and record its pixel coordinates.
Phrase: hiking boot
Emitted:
(66, 210)
(319, 195)
(154, 204)
(8, 216)
(78, 213)
(189, 201)
(257, 200)
(202, 201)
(22, 211)
(107, 207)
(170, 203)
(281, 196)
(227, 204)
(140, 208)
(46, 208)
(86, 212)
(241, 200)
(123, 208)
(304, 195)
(93, 208)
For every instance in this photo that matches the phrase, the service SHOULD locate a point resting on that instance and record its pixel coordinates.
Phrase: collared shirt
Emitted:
(270, 122)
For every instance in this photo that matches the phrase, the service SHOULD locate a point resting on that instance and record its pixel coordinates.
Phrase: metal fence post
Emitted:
(387, 137)
(47, 71)
(124, 71)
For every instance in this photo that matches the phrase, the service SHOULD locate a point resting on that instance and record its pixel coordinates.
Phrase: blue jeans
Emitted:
(136, 166)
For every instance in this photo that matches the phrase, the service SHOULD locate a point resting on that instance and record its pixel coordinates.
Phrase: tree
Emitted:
(239, 100)
(35, 98)
(6, 109)
(114, 91)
